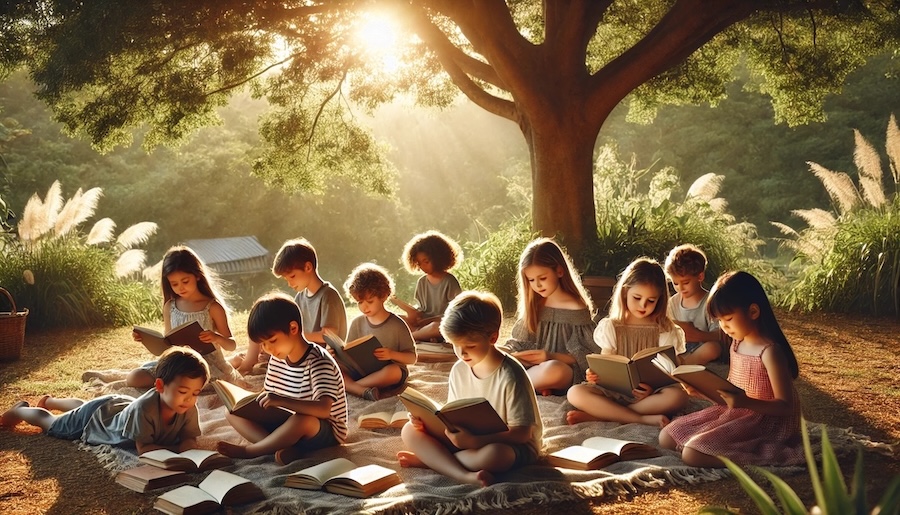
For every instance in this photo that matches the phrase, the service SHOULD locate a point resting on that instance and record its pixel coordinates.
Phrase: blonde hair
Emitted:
(547, 253)
(642, 270)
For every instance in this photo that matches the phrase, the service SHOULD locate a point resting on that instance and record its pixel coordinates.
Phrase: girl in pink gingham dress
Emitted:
(761, 424)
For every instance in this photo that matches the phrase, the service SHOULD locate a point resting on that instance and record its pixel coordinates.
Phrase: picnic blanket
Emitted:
(426, 491)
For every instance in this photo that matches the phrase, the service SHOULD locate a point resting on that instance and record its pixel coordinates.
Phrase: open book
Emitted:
(383, 419)
(599, 451)
(474, 415)
(185, 335)
(357, 354)
(219, 489)
(706, 383)
(192, 460)
(243, 403)
(622, 374)
(147, 477)
(342, 476)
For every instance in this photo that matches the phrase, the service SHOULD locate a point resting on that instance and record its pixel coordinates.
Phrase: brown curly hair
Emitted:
(442, 250)
(369, 279)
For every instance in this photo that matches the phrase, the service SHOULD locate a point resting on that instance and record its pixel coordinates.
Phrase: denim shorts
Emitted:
(70, 425)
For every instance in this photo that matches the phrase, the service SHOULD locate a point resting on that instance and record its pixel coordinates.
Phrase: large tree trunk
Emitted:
(562, 179)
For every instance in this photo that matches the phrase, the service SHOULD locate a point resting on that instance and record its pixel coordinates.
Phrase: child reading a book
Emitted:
(433, 254)
(686, 267)
(553, 332)
(370, 286)
(637, 320)
(190, 292)
(301, 377)
(320, 302)
(761, 424)
(472, 325)
(164, 417)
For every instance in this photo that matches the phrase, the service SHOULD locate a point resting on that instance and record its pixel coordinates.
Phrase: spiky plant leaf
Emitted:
(890, 500)
(759, 496)
(790, 501)
(838, 185)
(811, 465)
(136, 234)
(858, 490)
(101, 232)
(837, 499)
(715, 510)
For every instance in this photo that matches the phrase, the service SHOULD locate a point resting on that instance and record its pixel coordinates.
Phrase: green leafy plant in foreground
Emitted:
(831, 492)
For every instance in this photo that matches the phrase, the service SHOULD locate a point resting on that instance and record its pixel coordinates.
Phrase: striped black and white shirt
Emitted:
(315, 376)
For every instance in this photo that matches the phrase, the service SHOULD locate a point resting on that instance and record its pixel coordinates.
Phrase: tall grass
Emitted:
(69, 279)
(849, 260)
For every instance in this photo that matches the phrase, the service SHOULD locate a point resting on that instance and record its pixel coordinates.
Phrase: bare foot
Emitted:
(660, 421)
(287, 455)
(409, 459)
(486, 478)
(10, 418)
(42, 402)
(577, 416)
(231, 450)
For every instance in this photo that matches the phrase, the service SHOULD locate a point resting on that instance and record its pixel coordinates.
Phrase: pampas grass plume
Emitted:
(870, 175)
(893, 149)
(78, 209)
(706, 187)
(136, 234)
(130, 262)
(101, 232)
(838, 185)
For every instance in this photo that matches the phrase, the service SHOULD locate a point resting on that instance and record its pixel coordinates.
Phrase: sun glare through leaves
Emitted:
(379, 37)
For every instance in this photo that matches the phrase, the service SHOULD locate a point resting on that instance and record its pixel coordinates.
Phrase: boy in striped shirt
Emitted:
(301, 377)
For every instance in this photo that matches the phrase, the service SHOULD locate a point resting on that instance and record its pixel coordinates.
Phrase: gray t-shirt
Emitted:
(508, 389)
(433, 299)
(393, 333)
(121, 420)
(324, 309)
(696, 316)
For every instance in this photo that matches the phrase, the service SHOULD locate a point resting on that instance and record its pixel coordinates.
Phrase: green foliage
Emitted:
(849, 261)
(639, 213)
(66, 278)
(832, 496)
(493, 264)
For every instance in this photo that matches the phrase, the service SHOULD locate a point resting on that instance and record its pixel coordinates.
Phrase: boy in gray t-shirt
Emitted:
(686, 268)
(164, 417)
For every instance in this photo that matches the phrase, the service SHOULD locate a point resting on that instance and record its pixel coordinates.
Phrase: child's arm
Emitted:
(222, 335)
(692, 334)
(463, 439)
(384, 354)
(320, 408)
(187, 443)
(251, 357)
(782, 388)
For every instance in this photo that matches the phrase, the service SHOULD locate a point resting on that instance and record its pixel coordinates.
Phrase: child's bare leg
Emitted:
(139, 378)
(491, 458)
(703, 354)
(427, 332)
(667, 400)
(432, 453)
(62, 404)
(666, 441)
(287, 434)
(549, 376)
(21, 411)
(387, 376)
(695, 458)
(594, 403)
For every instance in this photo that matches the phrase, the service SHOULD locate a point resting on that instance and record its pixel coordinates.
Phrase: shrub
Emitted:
(66, 278)
(849, 260)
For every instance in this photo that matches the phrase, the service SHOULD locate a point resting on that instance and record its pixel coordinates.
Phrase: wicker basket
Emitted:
(12, 330)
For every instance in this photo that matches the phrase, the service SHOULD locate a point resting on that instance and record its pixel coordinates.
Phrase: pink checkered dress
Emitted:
(742, 435)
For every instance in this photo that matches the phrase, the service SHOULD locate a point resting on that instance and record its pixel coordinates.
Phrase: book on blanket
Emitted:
(383, 419)
(342, 476)
(703, 381)
(219, 489)
(357, 354)
(599, 451)
(622, 374)
(192, 460)
(147, 477)
(243, 403)
(185, 335)
(475, 415)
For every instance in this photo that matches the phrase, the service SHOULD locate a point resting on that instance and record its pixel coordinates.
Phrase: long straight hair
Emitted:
(182, 259)
(737, 291)
(545, 252)
(642, 270)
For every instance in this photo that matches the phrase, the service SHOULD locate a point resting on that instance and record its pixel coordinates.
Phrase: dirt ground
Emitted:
(848, 378)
